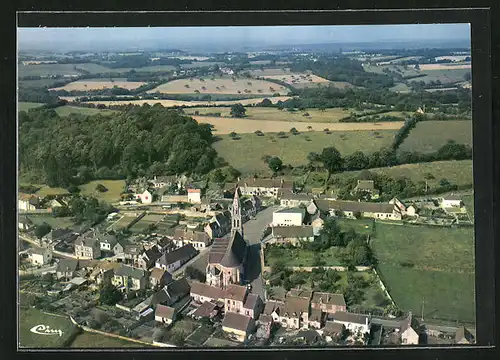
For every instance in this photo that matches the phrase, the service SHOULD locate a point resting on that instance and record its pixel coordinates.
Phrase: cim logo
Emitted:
(45, 330)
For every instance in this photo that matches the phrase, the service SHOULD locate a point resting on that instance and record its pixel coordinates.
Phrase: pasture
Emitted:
(145, 222)
(25, 106)
(171, 103)
(115, 188)
(429, 136)
(68, 110)
(457, 172)
(269, 72)
(29, 318)
(199, 64)
(47, 70)
(400, 87)
(446, 76)
(40, 83)
(45, 190)
(299, 80)
(91, 340)
(331, 115)
(206, 85)
(300, 257)
(432, 264)
(152, 68)
(244, 126)
(246, 153)
(99, 84)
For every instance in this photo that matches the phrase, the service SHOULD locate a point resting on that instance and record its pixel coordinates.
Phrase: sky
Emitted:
(188, 37)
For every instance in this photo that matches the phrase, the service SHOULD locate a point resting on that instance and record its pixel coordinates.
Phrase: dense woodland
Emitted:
(147, 140)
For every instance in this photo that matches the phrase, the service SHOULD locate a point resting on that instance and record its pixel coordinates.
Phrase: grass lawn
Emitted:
(40, 83)
(300, 257)
(200, 335)
(54, 222)
(443, 272)
(400, 87)
(268, 113)
(362, 226)
(46, 190)
(429, 136)
(123, 222)
(25, 106)
(246, 153)
(91, 340)
(29, 318)
(457, 172)
(115, 188)
(67, 110)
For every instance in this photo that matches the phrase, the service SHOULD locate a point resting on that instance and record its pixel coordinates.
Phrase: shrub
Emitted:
(101, 188)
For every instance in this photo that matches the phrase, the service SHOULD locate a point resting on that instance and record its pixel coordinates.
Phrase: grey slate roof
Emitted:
(183, 253)
(238, 322)
(328, 298)
(125, 270)
(251, 301)
(228, 251)
(67, 265)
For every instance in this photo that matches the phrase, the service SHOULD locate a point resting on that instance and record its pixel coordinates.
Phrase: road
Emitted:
(252, 231)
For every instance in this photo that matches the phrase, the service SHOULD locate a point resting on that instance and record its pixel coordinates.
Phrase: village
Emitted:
(169, 266)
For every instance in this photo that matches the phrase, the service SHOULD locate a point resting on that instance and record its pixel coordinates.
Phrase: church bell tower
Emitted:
(236, 225)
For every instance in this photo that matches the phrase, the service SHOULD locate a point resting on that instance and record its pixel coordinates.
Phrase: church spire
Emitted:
(236, 225)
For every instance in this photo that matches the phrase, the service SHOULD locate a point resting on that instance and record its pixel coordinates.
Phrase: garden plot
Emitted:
(146, 222)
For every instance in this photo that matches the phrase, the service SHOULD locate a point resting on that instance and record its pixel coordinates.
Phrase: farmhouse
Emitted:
(353, 209)
(159, 277)
(173, 260)
(165, 314)
(203, 292)
(407, 330)
(451, 201)
(25, 223)
(289, 199)
(238, 325)
(88, 246)
(28, 202)
(261, 187)
(199, 239)
(289, 217)
(328, 302)
(291, 234)
(40, 256)
(194, 196)
(353, 322)
(146, 197)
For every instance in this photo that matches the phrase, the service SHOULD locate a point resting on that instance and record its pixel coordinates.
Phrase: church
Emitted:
(227, 256)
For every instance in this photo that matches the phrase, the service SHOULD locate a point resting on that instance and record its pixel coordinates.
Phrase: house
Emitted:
(165, 244)
(146, 197)
(163, 181)
(366, 186)
(103, 274)
(194, 196)
(88, 246)
(57, 202)
(292, 234)
(407, 330)
(353, 322)
(238, 325)
(129, 278)
(173, 260)
(203, 292)
(165, 314)
(249, 208)
(66, 269)
(27, 202)
(273, 308)
(132, 253)
(219, 225)
(199, 239)
(317, 222)
(295, 312)
(148, 258)
(40, 256)
(316, 318)
(412, 210)
(253, 306)
(108, 242)
(119, 248)
(328, 302)
(57, 235)
(353, 209)
(176, 290)
(400, 206)
(289, 217)
(333, 329)
(463, 336)
(451, 201)
(261, 187)
(291, 200)
(159, 277)
(207, 309)
(234, 298)
(25, 223)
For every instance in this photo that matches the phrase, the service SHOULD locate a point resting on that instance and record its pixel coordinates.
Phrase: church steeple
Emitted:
(236, 225)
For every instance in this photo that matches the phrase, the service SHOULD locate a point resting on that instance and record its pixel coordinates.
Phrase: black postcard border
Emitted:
(485, 168)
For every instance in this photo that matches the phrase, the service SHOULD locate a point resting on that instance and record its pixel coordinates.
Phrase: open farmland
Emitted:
(199, 64)
(424, 67)
(171, 103)
(446, 76)
(29, 318)
(219, 86)
(299, 80)
(98, 84)
(438, 269)
(115, 188)
(331, 115)
(68, 109)
(25, 106)
(457, 172)
(429, 136)
(246, 153)
(47, 70)
(241, 125)
(152, 68)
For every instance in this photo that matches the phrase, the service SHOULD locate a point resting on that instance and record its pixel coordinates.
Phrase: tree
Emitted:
(259, 133)
(331, 159)
(109, 295)
(233, 135)
(275, 164)
(265, 103)
(101, 188)
(237, 111)
(42, 230)
(330, 234)
(294, 131)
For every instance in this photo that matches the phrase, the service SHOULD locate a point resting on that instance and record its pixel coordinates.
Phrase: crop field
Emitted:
(91, 340)
(446, 76)
(171, 103)
(29, 318)
(25, 106)
(331, 115)
(429, 136)
(68, 109)
(219, 86)
(435, 265)
(152, 68)
(115, 188)
(246, 153)
(424, 67)
(243, 126)
(98, 84)
(457, 172)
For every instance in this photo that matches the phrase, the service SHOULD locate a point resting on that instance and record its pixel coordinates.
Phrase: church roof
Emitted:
(229, 251)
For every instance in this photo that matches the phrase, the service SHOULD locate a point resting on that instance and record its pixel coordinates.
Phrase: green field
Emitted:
(91, 340)
(429, 136)
(400, 87)
(145, 222)
(152, 68)
(246, 153)
(300, 257)
(332, 115)
(54, 222)
(442, 273)
(46, 190)
(28, 318)
(115, 188)
(40, 83)
(445, 76)
(48, 69)
(469, 204)
(198, 64)
(123, 222)
(67, 110)
(93, 68)
(457, 172)
(25, 106)
(362, 226)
